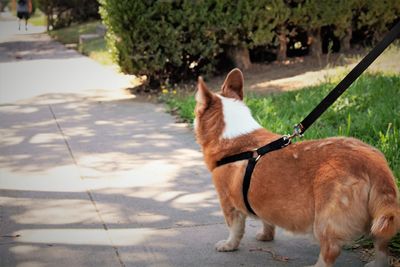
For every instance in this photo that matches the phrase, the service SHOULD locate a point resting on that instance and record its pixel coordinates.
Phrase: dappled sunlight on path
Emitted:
(141, 170)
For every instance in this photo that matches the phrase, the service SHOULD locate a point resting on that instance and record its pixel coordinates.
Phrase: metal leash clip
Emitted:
(297, 131)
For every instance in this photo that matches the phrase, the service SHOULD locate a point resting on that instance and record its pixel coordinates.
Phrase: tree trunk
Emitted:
(240, 57)
(49, 21)
(50, 17)
(345, 41)
(314, 42)
(282, 45)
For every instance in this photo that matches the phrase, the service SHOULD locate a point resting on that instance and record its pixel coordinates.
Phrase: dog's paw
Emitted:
(261, 236)
(224, 246)
(377, 264)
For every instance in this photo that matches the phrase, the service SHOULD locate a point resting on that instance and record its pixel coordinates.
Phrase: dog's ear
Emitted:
(203, 95)
(233, 85)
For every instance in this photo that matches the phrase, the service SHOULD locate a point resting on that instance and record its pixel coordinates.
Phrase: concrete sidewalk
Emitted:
(91, 177)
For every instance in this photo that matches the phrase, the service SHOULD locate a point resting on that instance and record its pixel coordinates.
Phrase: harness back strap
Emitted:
(253, 157)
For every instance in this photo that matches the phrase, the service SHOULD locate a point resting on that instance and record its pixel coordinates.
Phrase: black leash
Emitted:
(348, 80)
(299, 129)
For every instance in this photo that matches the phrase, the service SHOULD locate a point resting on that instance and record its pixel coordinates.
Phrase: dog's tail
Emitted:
(386, 224)
(384, 205)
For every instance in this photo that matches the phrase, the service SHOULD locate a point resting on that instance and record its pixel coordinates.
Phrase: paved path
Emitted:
(90, 177)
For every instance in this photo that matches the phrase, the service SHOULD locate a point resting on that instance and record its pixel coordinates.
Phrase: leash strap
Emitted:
(274, 145)
(348, 80)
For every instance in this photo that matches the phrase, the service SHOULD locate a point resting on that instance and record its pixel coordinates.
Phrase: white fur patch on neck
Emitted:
(237, 118)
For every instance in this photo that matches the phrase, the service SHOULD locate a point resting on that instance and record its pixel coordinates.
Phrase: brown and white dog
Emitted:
(335, 189)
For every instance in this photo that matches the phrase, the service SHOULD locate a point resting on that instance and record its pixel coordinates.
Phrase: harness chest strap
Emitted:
(253, 157)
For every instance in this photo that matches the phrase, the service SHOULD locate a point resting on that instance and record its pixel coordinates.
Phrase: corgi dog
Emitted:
(335, 189)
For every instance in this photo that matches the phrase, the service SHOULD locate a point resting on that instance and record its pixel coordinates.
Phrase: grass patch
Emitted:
(38, 18)
(369, 110)
(181, 105)
(70, 35)
(96, 49)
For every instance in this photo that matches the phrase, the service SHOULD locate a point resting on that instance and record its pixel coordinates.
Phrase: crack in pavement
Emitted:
(105, 227)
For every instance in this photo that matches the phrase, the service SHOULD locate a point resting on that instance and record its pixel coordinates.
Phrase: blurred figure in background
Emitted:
(24, 9)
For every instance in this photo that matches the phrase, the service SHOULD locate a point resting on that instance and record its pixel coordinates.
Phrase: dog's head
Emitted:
(222, 115)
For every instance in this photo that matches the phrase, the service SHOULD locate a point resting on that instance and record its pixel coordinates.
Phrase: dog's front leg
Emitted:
(236, 223)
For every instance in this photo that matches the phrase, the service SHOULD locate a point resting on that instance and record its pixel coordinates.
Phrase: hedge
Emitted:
(61, 13)
(169, 41)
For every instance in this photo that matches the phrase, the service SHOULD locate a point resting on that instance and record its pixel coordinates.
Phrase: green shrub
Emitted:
(375, 16)
(144, 36)
(4, 4)
(61, 13)
(170, 41)
(176, 40)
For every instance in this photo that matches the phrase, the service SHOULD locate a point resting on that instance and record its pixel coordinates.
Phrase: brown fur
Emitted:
(335, 188)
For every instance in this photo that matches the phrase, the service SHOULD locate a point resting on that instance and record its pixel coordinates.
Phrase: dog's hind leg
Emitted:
(328, 254)
(330, 240)
(381, 257)
(267, 233)
(236, 223)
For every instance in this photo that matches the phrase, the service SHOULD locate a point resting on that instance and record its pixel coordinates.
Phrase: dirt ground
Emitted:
(292, 74)
(300, 72)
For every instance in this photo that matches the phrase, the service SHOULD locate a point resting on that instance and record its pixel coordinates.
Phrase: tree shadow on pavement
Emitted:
(35, 47)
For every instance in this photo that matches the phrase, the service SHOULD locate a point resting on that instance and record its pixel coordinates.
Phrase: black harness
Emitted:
(299, 129)
(252, 157)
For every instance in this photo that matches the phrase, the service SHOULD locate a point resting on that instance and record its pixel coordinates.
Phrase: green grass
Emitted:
(95, 48)
(368, 110)
(70, 35)
(38, 18)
